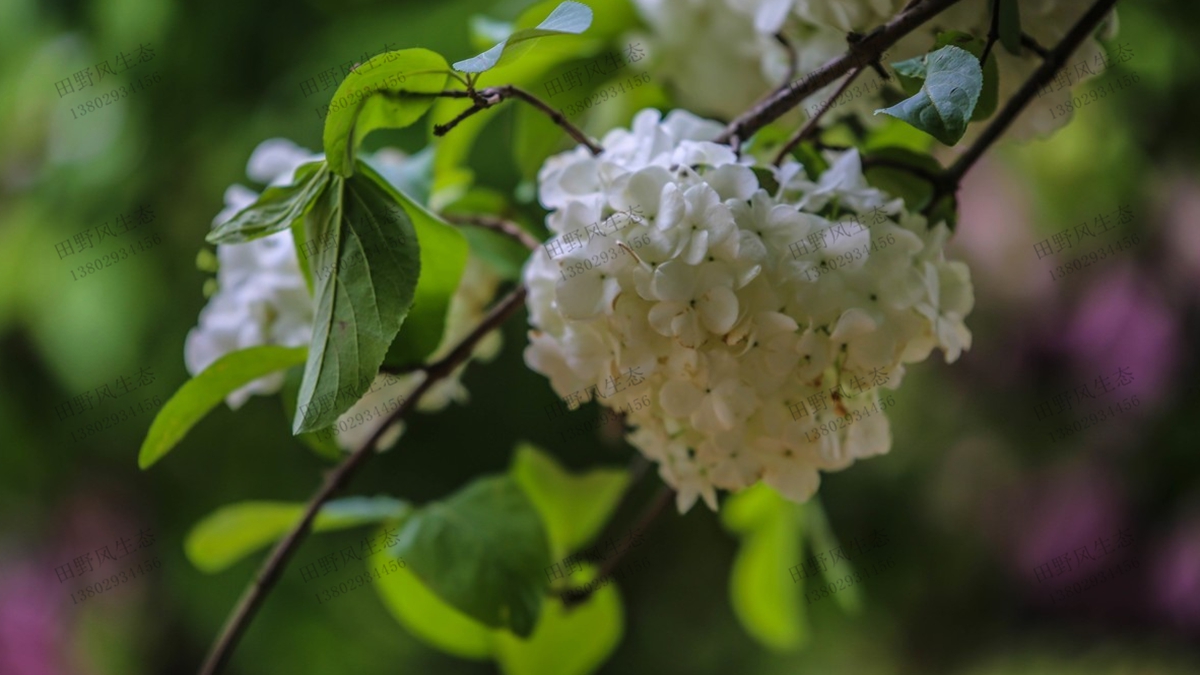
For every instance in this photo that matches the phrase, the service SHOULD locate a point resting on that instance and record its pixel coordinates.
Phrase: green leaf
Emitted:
(203, 392)
(823, 539)
(370, 98)
(765, 598)
(914, 189)
(535, 137)
(232, 532)
(569, 18)
(1010, 25)
(989, 95)
(574, 508)
(426, 616)
(275, 209)
(573, 641)
(911, 74)
(484, 551)
(323, 443)
(947, 98)
(365, 283)
(443, 257)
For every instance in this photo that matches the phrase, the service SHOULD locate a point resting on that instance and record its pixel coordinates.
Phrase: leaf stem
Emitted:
(336, 479)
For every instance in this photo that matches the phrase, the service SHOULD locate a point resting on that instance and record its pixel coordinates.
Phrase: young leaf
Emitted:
(443, 257)
(1010, 25)
(573, 641)
(275, 209)
(425, 615)
(390, 91)
(234, 531)
(484, 551)
(202, 393)
(823, 539)
(574, 508)
(371, 264)
(947, 98)
(569, 18)
(765, 597)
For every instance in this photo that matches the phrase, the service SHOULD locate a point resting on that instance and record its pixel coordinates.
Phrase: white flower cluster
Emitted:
(262, 299)
(739, 307)
(736, 33)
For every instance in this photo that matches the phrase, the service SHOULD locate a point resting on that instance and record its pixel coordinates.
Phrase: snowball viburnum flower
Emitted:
(761, 325)
(262, 299)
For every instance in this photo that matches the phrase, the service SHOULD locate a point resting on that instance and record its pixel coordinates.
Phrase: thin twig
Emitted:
(811, 125)
(490, 96)
(337, 478)
(993, 32)
(500, 225)
(1041, 77)
(861, 52)
(574, 596)
(556, 116)
(793, 57)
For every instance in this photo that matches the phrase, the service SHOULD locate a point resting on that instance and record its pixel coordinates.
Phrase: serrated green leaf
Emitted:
(276, 209)
(947, 98)
(574, 508)
(234, 531)
(765, 598)
(322, 442)
(989, 95)
(369, 99)
(910, 73)
(443, 257)
(1010, 25)
(366, 278)
(573, 641)
(484, 551)
(569, 18)
(203, 392)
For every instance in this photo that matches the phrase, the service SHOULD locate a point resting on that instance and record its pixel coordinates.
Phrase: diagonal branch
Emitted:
(811, 125)
(1041, 77)
(336, 479)
(574, 596)
(862, 52)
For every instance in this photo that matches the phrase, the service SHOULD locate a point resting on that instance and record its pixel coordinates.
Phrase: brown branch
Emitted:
(862, 52)
(1041, 77)
(500, 225)
(811, 125)
(574, 596)
(271, 570)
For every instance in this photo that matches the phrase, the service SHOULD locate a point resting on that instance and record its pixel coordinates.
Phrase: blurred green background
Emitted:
(974, 496)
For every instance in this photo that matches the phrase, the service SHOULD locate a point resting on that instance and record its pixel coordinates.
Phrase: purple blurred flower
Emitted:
(1175, 579)
(31, 621)
(1123, 321)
